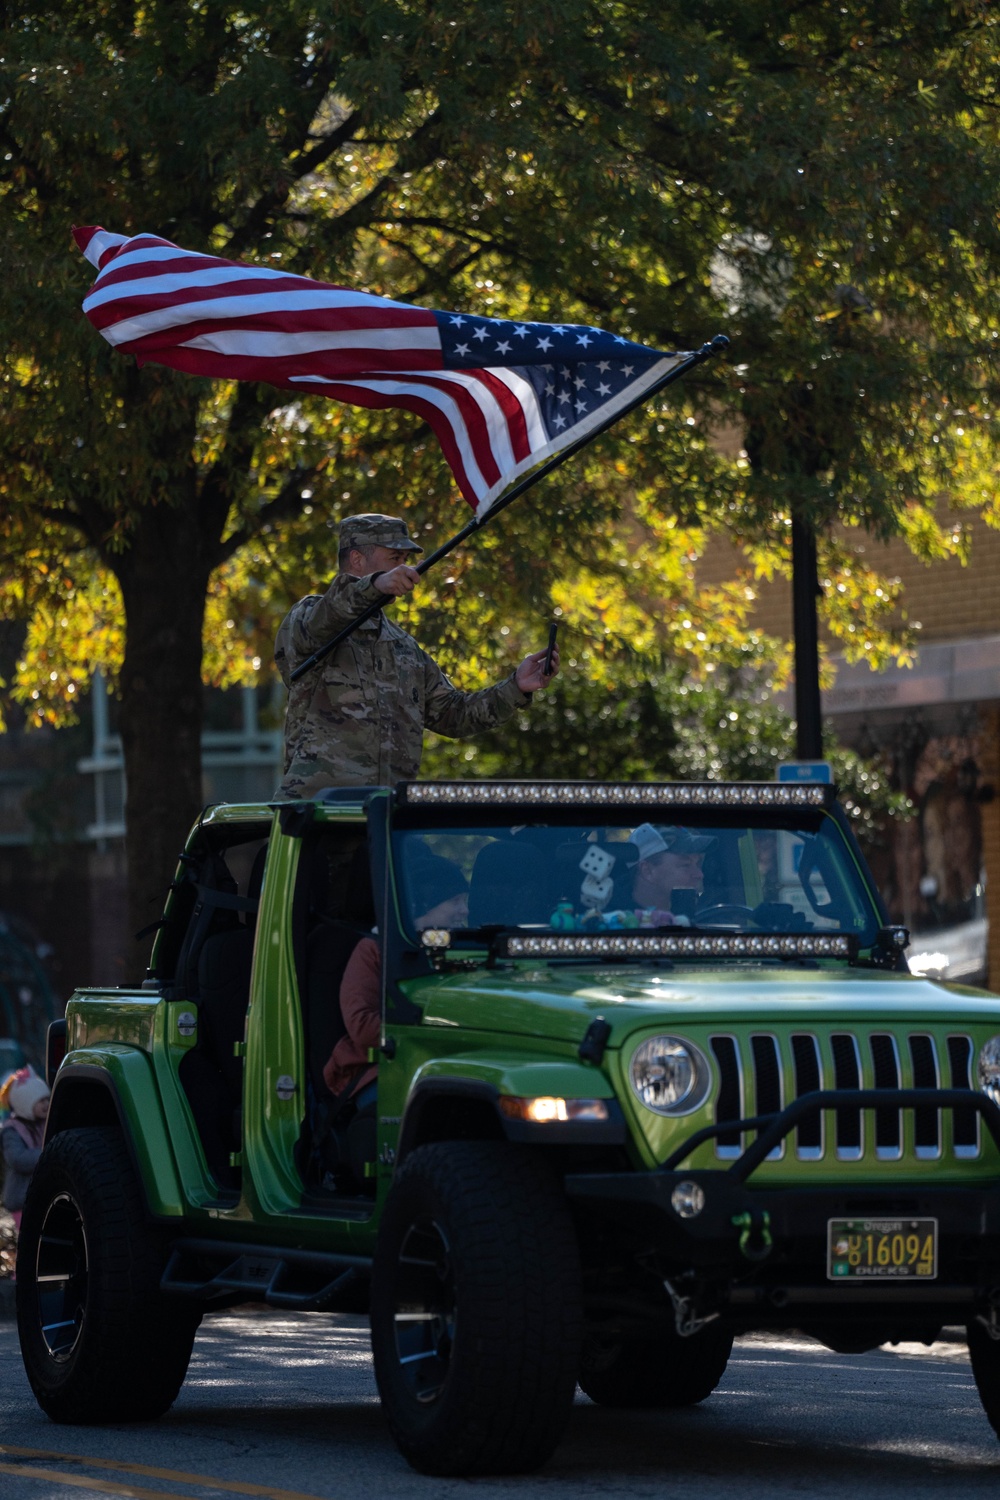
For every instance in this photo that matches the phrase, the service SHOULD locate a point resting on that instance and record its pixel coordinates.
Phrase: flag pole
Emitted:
(719, 342)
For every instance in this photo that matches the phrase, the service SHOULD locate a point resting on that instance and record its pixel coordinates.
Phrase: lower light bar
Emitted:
(694, 945)
(640, 795)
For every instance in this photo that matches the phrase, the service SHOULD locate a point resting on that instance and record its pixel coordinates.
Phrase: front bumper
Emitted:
(765, 1248)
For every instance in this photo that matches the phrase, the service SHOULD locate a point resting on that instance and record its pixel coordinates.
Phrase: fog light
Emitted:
(436, 937)
(545, 1109)
(687, 1200)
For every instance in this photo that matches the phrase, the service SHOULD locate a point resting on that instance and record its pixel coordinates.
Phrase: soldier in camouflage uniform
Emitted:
(357, 718)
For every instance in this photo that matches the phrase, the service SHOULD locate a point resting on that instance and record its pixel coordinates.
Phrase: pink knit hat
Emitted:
(22, 1091)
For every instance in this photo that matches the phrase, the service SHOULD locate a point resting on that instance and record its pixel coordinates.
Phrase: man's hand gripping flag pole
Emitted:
(507, 400)
(714, 346)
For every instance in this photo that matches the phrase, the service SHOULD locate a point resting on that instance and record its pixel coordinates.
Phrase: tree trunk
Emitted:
(164, 576)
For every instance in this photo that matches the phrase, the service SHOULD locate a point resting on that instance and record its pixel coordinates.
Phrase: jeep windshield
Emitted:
(584, 873)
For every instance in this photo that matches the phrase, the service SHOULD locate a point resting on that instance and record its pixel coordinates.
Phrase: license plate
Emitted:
(881, 1249)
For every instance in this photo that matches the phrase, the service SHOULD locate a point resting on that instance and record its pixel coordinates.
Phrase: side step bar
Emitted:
(222, 1274)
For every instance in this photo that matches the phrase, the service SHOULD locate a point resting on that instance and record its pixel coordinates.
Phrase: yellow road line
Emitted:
(103, 1486)
(145, 1471)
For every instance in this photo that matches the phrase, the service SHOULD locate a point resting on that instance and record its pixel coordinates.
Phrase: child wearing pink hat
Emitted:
(27, 1097)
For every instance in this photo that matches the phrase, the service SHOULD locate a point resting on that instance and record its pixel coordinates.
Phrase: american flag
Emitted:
(500, 395)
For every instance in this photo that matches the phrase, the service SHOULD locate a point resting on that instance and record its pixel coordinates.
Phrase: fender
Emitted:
(115, 1085)
(482, 1078)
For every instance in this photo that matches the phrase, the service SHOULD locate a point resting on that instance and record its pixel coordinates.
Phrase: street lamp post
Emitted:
(805, 590)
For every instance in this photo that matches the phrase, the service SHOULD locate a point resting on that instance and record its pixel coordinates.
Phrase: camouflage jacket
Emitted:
(357, 719)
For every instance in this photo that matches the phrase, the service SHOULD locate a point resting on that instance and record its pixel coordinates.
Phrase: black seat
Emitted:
(506, 888)
(224, 966)
(211, 1074)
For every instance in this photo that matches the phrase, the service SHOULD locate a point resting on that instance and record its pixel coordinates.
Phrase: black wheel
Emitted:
(984, 1354)
(476, 1310)
(100, 1342)
(667, 1371)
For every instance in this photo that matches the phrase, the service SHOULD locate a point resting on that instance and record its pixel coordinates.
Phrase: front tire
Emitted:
(476, 1310)
(100, 1341)
(671, 1371)
(984, 1356)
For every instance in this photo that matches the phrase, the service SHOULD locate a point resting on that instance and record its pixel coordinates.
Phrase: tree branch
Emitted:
(285, 504)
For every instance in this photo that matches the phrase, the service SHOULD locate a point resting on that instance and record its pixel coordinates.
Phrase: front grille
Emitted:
(760, 1074)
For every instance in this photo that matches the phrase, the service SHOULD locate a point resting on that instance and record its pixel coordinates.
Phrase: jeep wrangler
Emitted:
(608, 1132)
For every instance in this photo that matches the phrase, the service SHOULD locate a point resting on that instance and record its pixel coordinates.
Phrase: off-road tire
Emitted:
(476, 1244)
(668, 1371)
(984, 1355)
(100, 1341)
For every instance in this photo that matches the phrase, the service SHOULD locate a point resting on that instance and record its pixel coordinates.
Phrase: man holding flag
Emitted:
(358, 719)
(507, 399)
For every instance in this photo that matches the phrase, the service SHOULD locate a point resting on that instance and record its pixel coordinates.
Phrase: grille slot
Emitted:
(888, 1122)
(808, 1080)
(926, 1122)
(729, 1105)
(767, 1082)
(966, 1121)
(847, 1075)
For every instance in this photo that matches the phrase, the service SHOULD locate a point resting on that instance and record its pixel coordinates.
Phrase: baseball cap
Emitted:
(374, 530)
(650, 841)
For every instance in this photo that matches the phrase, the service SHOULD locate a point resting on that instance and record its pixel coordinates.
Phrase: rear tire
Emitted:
(668, 1371)
(100, 1341)
(476, 1310)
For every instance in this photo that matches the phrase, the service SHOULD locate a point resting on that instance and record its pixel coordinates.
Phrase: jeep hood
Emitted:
(560, 1001)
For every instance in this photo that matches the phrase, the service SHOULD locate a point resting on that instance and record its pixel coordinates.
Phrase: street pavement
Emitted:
(284, 1407)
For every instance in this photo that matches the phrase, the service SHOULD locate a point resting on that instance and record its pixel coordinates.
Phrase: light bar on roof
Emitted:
(639, 795)
(688, 945)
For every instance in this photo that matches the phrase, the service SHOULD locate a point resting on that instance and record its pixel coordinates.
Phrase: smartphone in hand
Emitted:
(547, 664)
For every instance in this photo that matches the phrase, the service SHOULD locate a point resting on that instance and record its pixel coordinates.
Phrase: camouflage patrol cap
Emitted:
(374, 530)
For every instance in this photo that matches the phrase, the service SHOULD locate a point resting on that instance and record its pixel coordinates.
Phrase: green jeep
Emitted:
(608, 1132)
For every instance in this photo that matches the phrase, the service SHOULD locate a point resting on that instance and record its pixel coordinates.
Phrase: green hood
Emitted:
(558, 1002)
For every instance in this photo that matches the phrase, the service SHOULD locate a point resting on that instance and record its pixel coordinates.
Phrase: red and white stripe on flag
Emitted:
(230, 320)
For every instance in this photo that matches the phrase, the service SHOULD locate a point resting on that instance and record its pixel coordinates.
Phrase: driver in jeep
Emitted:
(669, 859)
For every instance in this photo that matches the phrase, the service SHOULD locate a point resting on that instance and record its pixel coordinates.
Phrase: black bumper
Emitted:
(768, 1245)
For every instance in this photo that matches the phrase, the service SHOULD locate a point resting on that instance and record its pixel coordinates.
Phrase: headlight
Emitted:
(989, 1069)
(669, 1076)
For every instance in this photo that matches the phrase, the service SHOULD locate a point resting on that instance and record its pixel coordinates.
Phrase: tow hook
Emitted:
(755, 1233)
(687, 1319)
(991, 1322)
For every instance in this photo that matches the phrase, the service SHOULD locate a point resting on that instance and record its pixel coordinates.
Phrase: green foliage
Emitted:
(665, 725)
(807, 178)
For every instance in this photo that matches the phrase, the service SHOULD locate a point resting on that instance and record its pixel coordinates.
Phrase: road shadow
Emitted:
(785, 1421)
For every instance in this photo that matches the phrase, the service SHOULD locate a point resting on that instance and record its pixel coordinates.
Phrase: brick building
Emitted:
(937, 725)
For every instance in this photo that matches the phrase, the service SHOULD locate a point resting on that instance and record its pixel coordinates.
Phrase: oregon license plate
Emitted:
(881, 1249)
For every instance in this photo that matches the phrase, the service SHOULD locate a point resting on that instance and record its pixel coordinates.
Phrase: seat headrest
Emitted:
(505, 886)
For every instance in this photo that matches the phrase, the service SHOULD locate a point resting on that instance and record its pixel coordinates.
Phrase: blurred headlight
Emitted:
(989, 1069)
(544, 1110)
(669, 1076)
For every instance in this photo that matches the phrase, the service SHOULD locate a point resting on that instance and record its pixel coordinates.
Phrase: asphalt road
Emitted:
(283, 1407)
